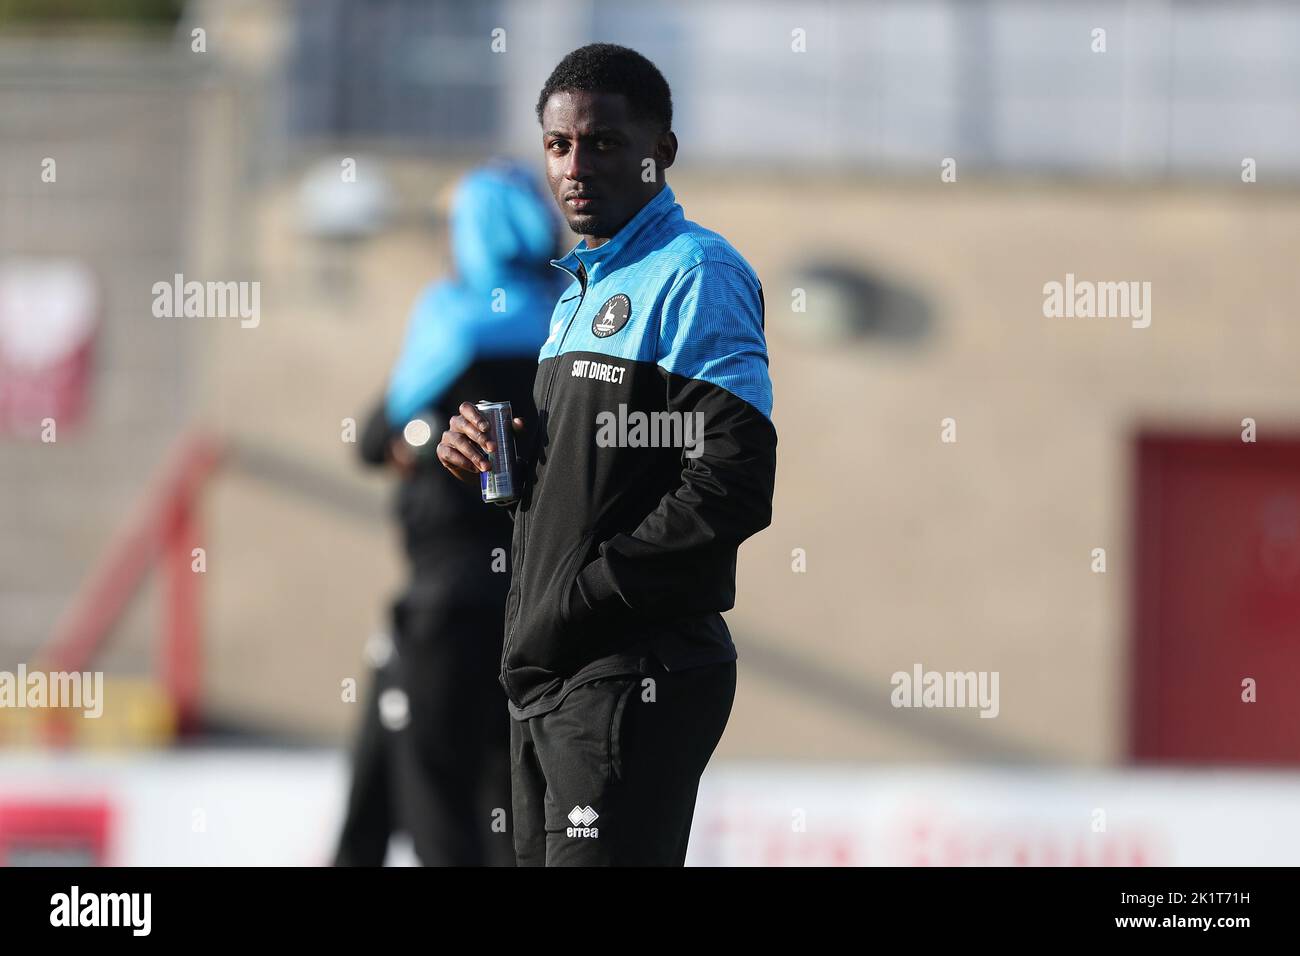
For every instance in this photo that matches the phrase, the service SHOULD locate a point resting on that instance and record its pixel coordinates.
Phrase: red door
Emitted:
(1217, 602)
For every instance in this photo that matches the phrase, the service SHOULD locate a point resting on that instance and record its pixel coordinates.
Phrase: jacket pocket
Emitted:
(545, 637)
(572, 568)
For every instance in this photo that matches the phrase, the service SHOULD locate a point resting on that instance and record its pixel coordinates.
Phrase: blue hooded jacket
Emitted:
(498, 304)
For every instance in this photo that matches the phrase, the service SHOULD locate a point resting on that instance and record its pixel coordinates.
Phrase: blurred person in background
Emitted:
(432, 755)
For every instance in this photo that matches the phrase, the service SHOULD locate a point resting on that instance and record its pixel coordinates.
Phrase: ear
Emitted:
(666, 149)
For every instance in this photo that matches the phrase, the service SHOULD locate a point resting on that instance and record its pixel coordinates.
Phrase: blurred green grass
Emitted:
(36, 12)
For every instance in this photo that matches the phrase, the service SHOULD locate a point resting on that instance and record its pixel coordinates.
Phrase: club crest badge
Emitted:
(612, 316)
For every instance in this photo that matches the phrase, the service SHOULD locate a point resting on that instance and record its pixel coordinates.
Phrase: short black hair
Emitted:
(610, 68)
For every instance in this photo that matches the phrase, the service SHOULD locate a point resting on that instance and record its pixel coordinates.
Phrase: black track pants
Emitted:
(609, 777)
(441, 776)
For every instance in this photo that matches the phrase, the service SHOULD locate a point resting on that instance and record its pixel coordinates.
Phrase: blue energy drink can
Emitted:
(498, 482)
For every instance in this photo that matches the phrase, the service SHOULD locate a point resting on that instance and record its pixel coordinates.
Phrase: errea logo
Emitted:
(582, 819)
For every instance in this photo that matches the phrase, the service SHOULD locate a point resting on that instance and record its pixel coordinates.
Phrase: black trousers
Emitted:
(370, 818)
(439, 772)
(609, 778)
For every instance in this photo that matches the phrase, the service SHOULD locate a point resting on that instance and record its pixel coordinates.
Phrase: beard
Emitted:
(586, 224)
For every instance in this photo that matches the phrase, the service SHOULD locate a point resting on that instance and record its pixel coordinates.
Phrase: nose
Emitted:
(577, 167)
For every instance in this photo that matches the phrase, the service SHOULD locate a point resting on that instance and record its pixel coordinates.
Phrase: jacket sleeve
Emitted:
(437, 348)
(375, 436)
(681, 559)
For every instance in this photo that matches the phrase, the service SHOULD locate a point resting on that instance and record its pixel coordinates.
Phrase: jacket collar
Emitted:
(602, 257)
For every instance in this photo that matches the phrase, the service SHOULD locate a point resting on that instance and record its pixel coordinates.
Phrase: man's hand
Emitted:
(465, 445)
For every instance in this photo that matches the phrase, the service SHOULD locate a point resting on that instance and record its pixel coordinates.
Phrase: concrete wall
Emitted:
(967, 556)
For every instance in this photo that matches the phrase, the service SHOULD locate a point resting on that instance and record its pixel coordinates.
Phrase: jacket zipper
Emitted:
(581, 276)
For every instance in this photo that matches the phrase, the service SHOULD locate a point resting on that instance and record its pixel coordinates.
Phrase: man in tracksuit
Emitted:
(652, 459)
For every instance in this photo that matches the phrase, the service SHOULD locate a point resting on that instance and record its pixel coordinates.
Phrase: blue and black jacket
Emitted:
(473, 335)
(625, 537)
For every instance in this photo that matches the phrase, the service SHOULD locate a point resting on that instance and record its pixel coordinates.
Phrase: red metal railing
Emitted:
(162, 532)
